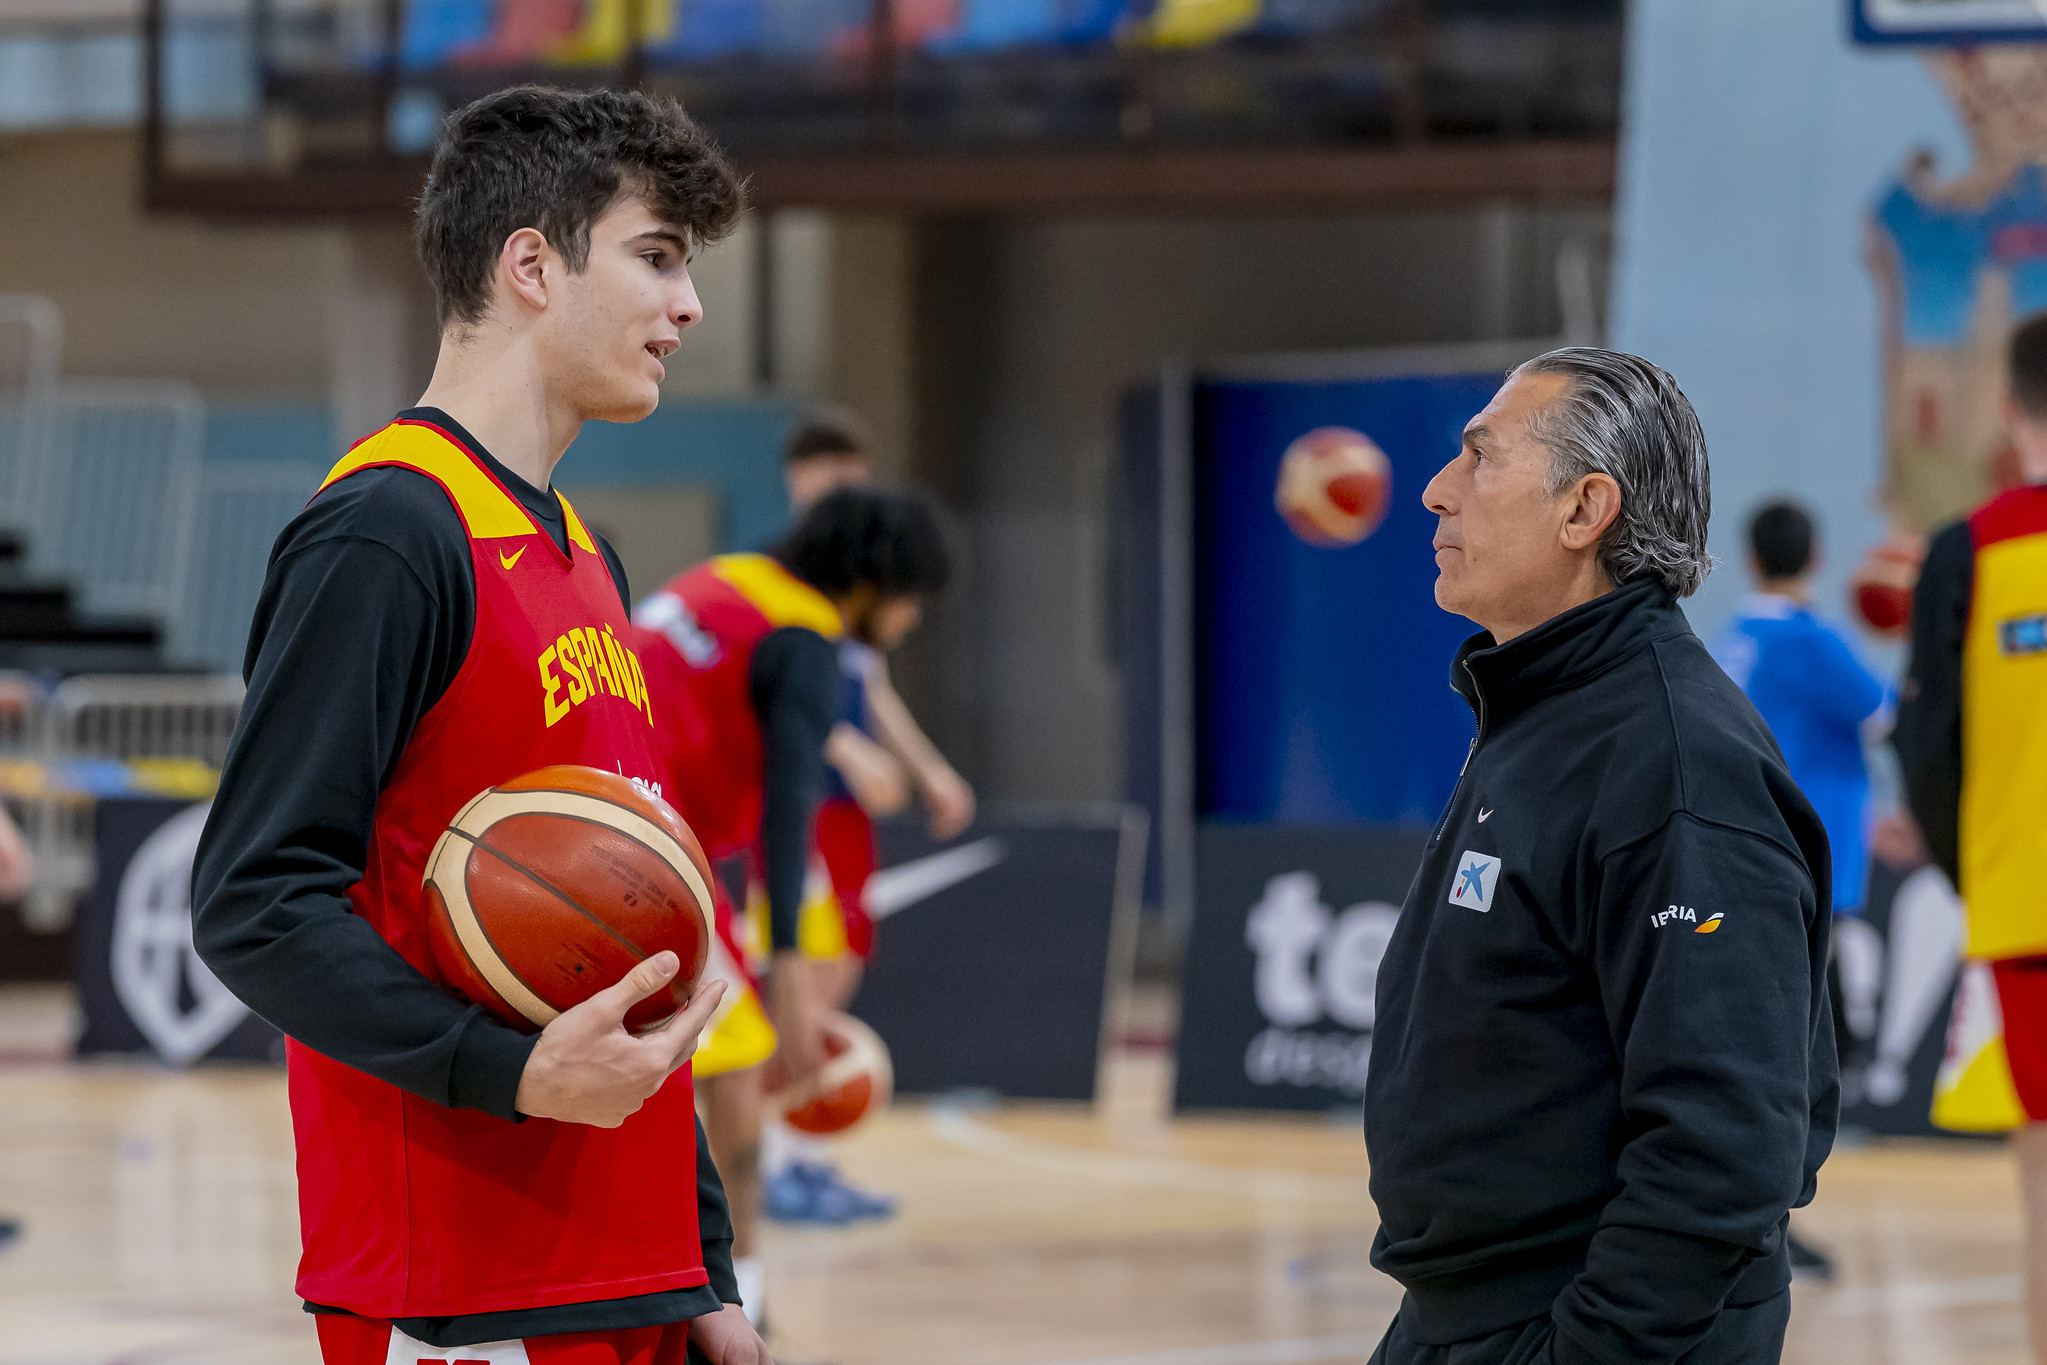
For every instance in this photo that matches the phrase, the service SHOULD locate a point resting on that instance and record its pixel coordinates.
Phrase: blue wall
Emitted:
(1757, 139)
(733, 446)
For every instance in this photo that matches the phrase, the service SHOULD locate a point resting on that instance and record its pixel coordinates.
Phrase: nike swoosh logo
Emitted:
(902, 886)
(1484, 815)
(508, 563)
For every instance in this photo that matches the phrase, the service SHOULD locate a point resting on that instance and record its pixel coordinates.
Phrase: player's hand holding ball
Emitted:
(573, 903)
(587, 1068)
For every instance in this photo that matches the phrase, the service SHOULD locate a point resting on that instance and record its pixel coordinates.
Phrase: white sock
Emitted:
(783, 1147)
(753, 1285)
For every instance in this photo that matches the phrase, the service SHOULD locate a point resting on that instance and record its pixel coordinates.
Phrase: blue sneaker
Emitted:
(842, 1202)
(791, 1196)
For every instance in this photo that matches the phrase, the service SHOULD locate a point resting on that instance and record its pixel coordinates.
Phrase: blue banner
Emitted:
(1322, 674)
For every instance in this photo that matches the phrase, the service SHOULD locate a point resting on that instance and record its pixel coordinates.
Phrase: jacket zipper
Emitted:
(1471, 753)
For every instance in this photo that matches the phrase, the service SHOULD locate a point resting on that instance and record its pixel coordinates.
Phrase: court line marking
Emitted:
(1300, 1351)
(1897, 1300)
(957, 1127)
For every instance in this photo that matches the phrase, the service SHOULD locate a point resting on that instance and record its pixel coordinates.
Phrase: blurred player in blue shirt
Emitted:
(1815, 696)
(1812, 691)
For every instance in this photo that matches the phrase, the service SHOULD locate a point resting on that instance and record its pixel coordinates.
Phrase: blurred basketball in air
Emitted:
(549, 888)
(1334, 484)
(854, 1082)
(1882, 587)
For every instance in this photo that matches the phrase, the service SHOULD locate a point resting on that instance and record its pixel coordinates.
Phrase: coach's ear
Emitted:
(523, 268)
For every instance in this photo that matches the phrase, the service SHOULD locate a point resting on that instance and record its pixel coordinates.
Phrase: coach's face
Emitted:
(615, 321)
(1508, 554)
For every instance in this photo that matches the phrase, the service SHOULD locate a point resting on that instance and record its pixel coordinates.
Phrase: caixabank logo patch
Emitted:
(1315, 978)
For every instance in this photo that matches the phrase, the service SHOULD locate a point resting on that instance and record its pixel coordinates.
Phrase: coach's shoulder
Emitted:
(1729, 768)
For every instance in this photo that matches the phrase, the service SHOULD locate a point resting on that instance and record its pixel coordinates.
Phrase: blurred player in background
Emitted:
(878, 756)
(1972, 746)
(744, 650)
(1817, 698)
(462, 1184)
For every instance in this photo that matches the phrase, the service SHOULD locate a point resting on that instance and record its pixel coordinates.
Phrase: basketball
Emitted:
(1882, 587)
(1334, 484)
(854, 1083)
(546, 889)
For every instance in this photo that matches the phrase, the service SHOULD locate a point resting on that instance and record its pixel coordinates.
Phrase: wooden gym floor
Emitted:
(160, 1230)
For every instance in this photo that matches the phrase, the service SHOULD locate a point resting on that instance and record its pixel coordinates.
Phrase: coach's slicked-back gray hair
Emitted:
(1625, 418)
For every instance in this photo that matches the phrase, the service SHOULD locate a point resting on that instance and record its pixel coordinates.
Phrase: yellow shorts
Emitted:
(739, 1034)
(820, 929)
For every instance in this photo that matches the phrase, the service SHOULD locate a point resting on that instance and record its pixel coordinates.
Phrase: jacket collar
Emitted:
(1566, 651)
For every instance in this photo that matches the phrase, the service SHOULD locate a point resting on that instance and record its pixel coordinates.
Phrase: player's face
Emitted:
(808, 480)
(1498, 552)
(611, 325)
(889, 621)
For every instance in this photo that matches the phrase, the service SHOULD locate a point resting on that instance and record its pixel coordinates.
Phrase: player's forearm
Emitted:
(323, 976)
(898, 729)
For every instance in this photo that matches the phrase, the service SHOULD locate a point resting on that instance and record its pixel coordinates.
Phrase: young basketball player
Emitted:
(743, 653)
(877, 753)
(462, 1185)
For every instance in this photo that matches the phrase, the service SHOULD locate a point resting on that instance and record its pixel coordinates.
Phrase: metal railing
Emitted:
(105, 719)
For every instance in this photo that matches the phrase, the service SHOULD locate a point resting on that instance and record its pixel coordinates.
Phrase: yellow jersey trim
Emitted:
(577, 533)
(487, 509)
(780, 596)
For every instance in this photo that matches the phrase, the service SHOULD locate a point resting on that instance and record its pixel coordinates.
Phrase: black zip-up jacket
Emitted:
(1603, 1068)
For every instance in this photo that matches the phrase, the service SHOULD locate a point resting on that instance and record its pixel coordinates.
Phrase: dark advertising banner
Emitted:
(992, 951)
(141, 987)
(1283, 961)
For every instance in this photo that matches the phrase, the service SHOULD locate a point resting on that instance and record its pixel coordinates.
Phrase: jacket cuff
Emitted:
(718, 1264)
(489, 1060)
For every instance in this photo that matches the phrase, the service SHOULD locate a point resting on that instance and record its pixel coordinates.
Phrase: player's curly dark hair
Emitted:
(860, 535)
(555, 161)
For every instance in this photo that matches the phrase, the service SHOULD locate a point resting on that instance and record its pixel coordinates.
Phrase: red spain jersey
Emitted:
(409, 1209)
(697, 637)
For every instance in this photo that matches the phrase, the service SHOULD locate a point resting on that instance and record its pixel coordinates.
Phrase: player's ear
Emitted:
(522, 267)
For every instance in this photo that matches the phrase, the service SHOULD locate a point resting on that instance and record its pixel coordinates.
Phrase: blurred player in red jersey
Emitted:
(743, 652)
(878, 754)
(464, 1188)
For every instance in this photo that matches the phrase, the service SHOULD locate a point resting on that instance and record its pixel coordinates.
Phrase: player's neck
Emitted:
(497, 391)
(1798, 590)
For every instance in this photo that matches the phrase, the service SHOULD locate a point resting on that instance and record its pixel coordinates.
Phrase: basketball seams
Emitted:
(477, 818)
(564, 897)
(477, 943)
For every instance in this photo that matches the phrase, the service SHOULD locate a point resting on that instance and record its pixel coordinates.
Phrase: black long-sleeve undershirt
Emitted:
(365, 617)
(1928, 735)
(793, 681)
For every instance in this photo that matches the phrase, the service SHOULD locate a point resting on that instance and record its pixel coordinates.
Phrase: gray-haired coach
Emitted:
(1603, 1070)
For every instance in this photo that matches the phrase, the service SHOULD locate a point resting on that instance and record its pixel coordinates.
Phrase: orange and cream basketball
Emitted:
(1334, 484)
(1882, 586)
(854, 1082)
(546, 889)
